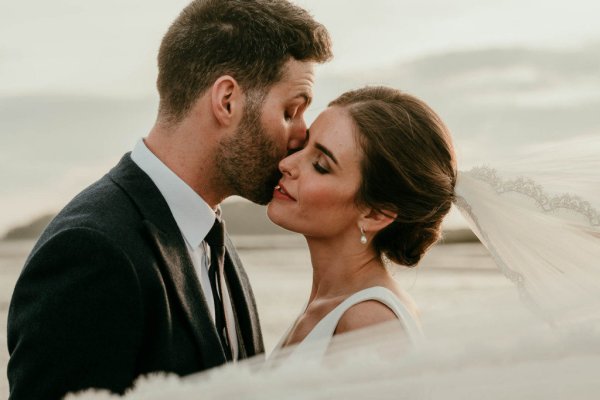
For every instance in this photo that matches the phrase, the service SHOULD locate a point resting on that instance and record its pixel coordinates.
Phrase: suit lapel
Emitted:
(177, 267)
(179, 271)
(244, 305)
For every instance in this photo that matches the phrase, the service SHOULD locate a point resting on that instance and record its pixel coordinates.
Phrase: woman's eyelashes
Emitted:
(321, 169)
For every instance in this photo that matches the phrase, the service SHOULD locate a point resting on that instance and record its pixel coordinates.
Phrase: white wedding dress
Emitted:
(539, 218)
(314, 346)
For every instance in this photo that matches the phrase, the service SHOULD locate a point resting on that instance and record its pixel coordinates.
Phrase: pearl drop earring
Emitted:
(363, 237)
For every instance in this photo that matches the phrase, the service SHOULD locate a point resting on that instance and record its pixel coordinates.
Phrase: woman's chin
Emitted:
(280, 218)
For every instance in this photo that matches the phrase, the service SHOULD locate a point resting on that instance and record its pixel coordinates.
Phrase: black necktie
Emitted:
(215, 240)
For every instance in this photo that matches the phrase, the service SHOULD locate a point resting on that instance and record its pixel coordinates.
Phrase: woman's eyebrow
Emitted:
(327, 152)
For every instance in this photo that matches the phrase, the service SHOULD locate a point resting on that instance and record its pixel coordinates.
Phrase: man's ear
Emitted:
(372, 221)
(226, 100)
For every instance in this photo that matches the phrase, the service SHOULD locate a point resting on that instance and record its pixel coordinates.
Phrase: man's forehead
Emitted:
(295, 84)
(294, 68)
(299, 76)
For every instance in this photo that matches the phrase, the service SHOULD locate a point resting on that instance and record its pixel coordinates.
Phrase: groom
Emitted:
(134, 275)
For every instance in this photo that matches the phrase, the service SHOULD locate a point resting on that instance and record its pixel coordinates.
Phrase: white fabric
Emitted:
(540, 219)
(547, 243)
(195, 218)
(315, 344)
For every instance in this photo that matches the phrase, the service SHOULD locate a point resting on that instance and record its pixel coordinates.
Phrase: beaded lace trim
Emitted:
(546, 202)
(531, 189)
(515, 277)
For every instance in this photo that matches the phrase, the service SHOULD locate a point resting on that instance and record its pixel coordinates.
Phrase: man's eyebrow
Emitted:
(327, 152)
(306, 96)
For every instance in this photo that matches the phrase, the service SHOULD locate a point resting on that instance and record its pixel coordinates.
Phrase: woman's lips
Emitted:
(281, 193)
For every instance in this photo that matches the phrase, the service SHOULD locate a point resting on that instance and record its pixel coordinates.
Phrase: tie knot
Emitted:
(216, 235)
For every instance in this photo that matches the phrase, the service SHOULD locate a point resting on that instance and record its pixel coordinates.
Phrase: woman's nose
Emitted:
(288, 165)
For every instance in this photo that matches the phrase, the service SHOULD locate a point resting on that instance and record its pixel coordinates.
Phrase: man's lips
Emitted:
(281, 193)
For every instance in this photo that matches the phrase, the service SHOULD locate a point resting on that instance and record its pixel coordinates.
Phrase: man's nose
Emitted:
(297, 135)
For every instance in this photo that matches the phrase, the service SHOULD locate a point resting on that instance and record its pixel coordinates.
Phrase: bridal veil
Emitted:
(538, 215)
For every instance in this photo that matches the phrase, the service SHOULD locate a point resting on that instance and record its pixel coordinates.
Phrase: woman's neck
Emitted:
(341, 267)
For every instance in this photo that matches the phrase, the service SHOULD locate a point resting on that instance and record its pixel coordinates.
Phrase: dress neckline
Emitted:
(324, 329)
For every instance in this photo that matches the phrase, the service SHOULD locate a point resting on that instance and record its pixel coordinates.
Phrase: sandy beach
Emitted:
(449, 276)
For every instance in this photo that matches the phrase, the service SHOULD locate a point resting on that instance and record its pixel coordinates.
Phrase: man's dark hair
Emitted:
(250, 40)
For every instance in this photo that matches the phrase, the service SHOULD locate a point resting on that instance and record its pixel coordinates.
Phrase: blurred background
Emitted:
(77, 79)
(77, 90)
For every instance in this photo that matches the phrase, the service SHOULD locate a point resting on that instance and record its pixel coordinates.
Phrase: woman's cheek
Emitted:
(318, 195)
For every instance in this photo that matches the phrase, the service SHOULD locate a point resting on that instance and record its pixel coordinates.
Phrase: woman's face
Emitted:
(316, 195)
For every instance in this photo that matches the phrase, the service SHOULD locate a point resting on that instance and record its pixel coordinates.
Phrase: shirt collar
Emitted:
(193, 215)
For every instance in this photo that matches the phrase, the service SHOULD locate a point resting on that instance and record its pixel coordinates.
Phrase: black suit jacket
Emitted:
(109, 293)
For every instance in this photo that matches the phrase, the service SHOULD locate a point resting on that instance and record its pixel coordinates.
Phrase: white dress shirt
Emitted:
(194, 218)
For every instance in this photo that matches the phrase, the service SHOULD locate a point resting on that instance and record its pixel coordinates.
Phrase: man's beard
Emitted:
(248, 161)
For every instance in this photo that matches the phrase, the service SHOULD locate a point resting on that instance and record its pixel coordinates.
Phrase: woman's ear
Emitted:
(226, 100)
(372, 221)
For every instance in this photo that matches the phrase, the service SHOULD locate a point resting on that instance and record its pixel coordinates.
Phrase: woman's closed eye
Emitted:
(320, 168)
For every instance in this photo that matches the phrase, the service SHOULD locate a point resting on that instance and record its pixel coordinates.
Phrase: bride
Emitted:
(371, 186)
(373, 183)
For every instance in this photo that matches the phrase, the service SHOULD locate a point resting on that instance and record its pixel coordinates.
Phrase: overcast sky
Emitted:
(77, 78)
(108, 47)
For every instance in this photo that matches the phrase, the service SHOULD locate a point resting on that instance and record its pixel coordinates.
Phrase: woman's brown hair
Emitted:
(408, 168)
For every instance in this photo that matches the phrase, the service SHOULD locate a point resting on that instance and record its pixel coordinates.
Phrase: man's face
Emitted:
(270, 129)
